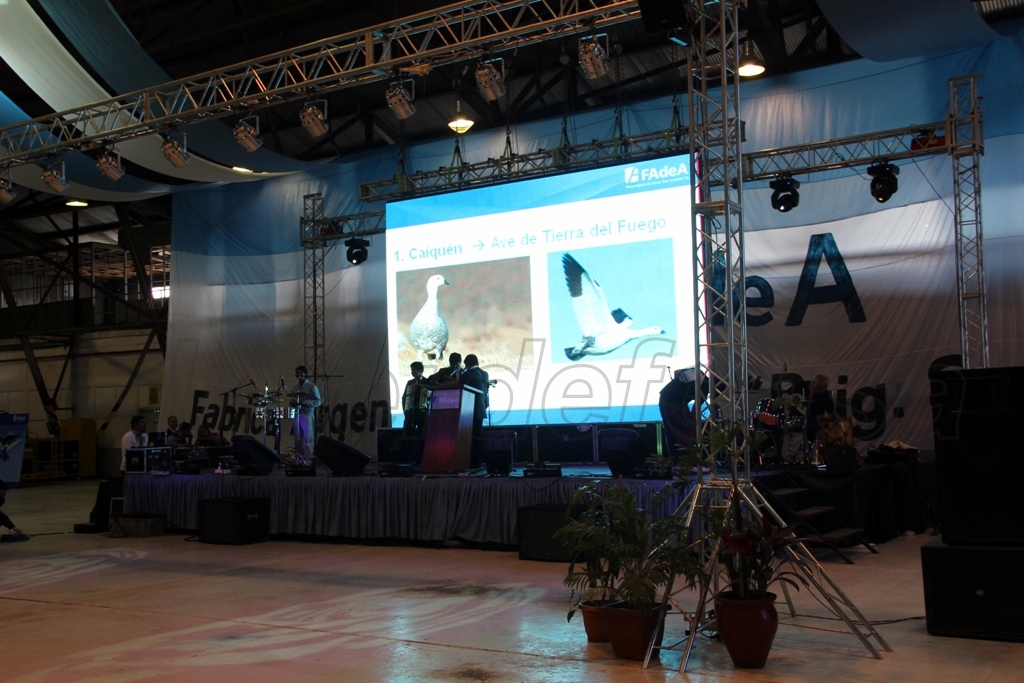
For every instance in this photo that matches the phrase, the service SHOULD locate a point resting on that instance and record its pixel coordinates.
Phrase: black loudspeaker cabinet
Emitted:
(979, 456)
(565, 443)
(249, 450)
(537, 527)
(234, 521)
(662, 16)
(389, 445)
(649, 433)
(973, 591)
(525, 451)
(344, 460)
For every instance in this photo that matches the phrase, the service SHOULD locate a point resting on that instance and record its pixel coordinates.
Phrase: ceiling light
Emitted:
(460, 124)
(750, 65)
(7, 191)
(883, 180)
(110, 165)
(314, 119)
(248, 135)
(490, 82)
(592, 59)
(785, 196)
(76, 203)
(400, 101)
(54, 178)
(357, 252)
(241, 169)
(175, 152)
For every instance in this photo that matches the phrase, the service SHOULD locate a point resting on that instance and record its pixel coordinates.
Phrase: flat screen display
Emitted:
(574, 291)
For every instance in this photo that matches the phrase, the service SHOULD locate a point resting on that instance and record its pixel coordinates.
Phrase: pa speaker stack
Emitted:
(972, 587)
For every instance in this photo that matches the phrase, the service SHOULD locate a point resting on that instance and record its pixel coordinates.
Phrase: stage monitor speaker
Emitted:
(234, 521)
(537, 527)
(663, 16)
(389, 445)
(249, 451)
(973, 592)
(565, 443)
(978, 455)
(344, 460)
(525, 438)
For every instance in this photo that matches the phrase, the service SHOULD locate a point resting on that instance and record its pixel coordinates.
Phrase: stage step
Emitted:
(787, 492)
(836, 535)
(807, 513)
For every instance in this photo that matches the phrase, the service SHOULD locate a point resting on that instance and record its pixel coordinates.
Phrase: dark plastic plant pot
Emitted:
(594, 621)
(630, 631)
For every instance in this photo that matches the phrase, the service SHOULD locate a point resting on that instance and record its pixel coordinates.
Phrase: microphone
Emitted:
(283, 385)
(455, 372)
(252, 383)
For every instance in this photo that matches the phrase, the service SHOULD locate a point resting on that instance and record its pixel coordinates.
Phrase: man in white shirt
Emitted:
(135, 438)
(306, 398)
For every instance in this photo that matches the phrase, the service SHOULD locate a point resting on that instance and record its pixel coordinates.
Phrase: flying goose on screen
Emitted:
(604, 330)
(428, 331)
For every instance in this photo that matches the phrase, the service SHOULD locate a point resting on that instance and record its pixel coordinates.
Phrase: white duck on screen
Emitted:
(604, 330)
(428, 331)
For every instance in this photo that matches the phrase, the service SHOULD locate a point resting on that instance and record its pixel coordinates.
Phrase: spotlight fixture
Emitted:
(356, 253)
(785, 196)
(883, 180)
(592, 59)
(461, 123)
(7, 191)
(490, 83)
(314, 119)
(76, 203)
(175, 152)
(54, 178)
(247, 134)
(400, 101)
(110, 165)
(749, 65)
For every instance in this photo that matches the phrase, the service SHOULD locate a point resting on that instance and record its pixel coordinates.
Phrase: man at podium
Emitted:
(473, 376)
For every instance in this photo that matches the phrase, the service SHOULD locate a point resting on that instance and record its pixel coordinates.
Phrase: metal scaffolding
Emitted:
(416, 44)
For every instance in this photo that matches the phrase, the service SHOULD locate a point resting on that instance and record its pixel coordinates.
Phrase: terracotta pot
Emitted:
(747, 627)
(593, 612)
(630, 631)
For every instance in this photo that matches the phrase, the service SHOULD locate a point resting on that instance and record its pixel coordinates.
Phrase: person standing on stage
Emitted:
(448, 377)
(821, 407)
(474, 376)
(135, 438)
(415, 399)
(676, 414)
(306, 398)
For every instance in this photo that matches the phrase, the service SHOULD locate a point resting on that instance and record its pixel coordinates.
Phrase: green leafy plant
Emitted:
(754, 554)
(623, 551)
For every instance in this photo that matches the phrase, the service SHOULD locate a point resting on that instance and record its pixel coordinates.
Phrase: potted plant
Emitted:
(639, 551)
(753, 553)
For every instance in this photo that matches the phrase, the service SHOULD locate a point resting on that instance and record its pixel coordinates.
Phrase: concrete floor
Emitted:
(90, 608)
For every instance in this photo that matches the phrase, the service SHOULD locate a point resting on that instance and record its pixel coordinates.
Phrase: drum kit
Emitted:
(272, 407)
(781, 422)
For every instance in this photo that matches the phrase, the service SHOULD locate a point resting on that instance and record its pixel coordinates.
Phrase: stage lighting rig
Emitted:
(175, 151)
(883, 180)
(400, 101)
(785, 197)
(749, 65)
(357, 252)
(592, 59)
(313, 118)
(110, 165)
(54, 178)
(247, 134)
(490, 82)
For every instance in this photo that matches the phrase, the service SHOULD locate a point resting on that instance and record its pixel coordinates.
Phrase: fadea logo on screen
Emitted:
(651, 176)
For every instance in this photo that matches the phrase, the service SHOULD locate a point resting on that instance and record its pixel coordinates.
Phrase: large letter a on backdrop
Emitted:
(843, 290)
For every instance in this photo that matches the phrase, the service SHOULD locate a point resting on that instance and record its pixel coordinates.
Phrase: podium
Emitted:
(449, 435)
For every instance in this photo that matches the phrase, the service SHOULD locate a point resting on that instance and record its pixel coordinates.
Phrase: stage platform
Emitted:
(881, 499)
(479, 509)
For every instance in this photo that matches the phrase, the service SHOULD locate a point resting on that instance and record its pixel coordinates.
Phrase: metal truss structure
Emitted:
(719, 268)
(417, 44)
(512, 166)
